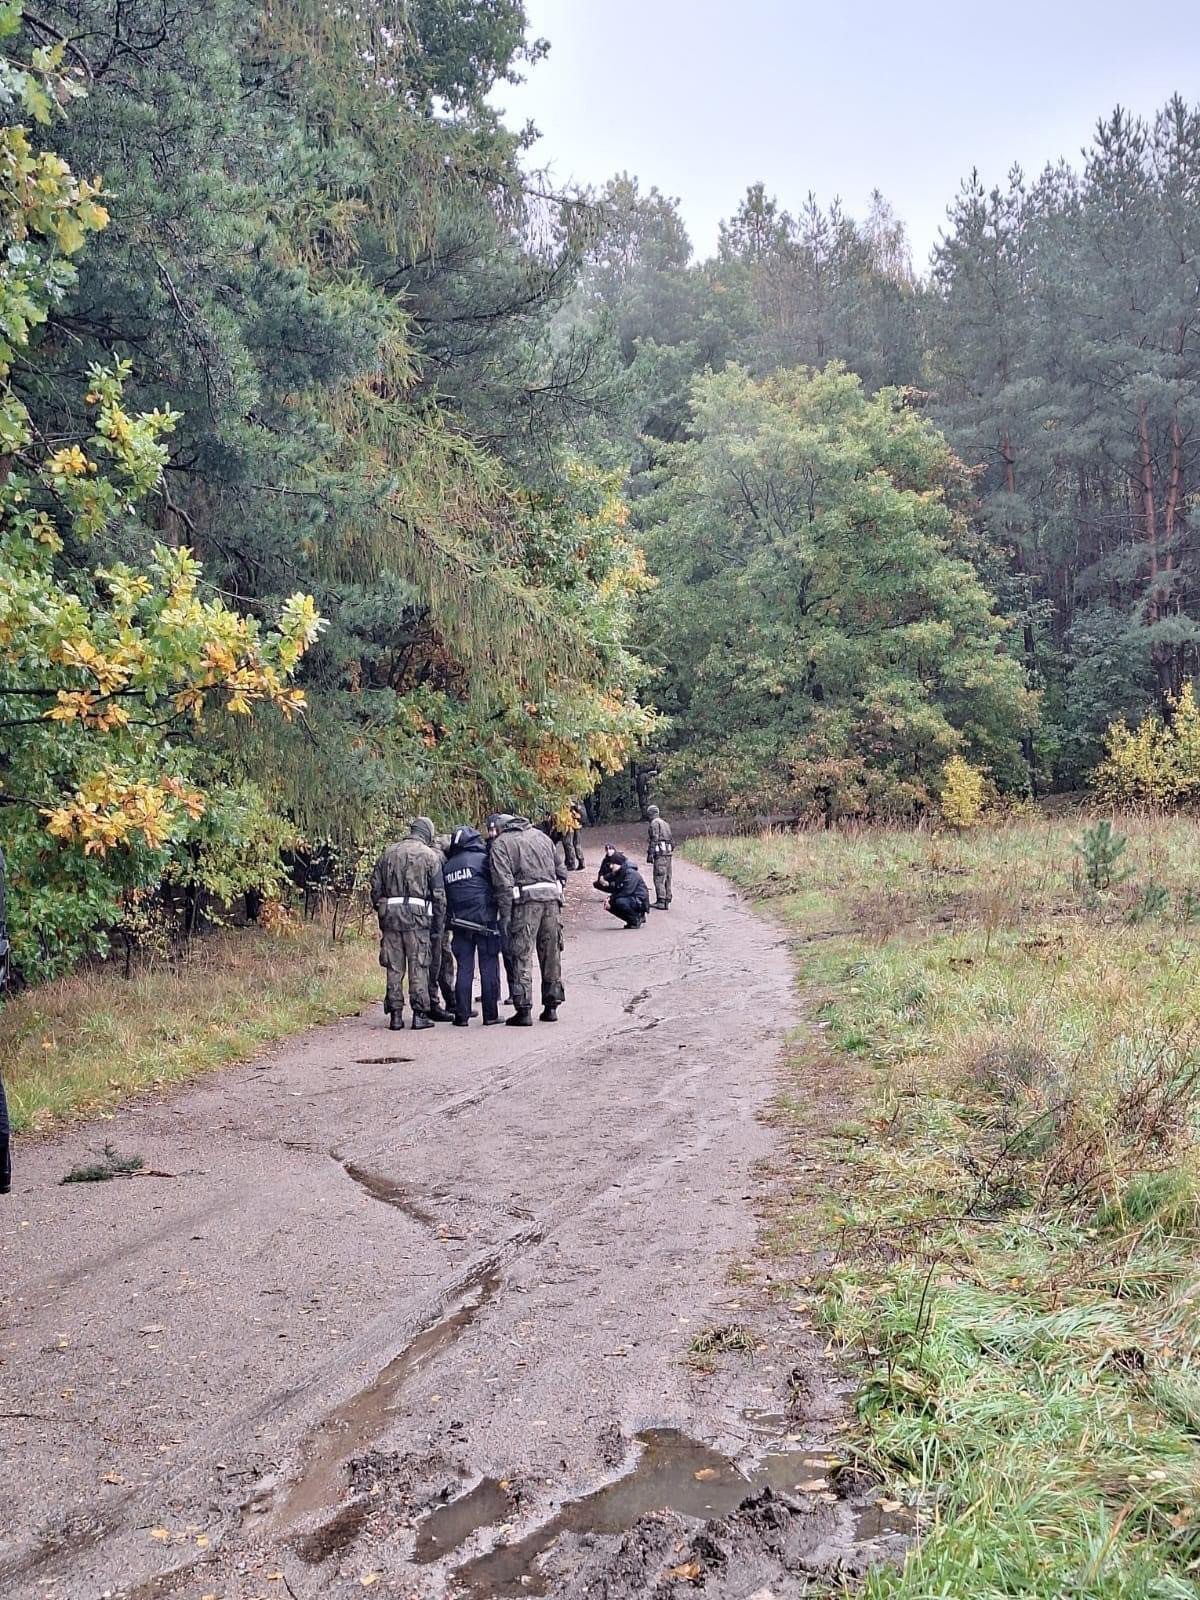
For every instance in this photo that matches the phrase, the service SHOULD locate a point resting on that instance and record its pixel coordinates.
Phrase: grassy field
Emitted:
(1000, 1092)
(81, 1045)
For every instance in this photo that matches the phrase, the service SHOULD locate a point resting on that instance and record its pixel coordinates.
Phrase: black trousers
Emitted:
(627, 907)
(466, 945)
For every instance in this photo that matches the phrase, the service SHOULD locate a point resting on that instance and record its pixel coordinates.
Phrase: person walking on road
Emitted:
(474, 925)
(528, 874)
(620, 880)
(659, 849)
(410, 901)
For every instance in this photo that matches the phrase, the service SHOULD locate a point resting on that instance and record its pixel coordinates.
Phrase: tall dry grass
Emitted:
(1016, 1228)
(82, 1044)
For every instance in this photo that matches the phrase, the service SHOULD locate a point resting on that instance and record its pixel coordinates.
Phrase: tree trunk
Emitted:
(1149, 510)
(1028, 640)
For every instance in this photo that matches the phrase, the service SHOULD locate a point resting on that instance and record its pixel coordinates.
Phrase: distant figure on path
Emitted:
(573, 839)
(660, 848)
(410, 902)
(528, 873)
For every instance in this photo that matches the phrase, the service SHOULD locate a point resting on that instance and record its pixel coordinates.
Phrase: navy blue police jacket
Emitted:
(470, 898)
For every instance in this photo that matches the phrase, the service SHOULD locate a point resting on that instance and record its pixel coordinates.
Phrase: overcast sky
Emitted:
(704, 97)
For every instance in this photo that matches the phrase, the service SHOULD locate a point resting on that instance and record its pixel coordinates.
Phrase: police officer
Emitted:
(410, 902)
(474, 925)
(659, 849)
(620, 880)
(528, 874)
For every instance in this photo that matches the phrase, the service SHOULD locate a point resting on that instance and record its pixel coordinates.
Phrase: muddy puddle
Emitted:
(772, 1424)
(389, 1192)
(357, 1422)
(673, 1473)
(453, 1524)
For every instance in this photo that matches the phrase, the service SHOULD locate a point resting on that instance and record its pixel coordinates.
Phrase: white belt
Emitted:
(408, 900)
(520, 888)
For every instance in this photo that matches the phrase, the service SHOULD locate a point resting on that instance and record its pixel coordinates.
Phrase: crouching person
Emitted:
(527, 874)
(410, 902)
(474, 925)
(620, 880)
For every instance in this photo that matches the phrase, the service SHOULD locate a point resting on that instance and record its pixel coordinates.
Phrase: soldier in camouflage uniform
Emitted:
(528, 873)
(659, 849)
(410, 902)
(573, 839)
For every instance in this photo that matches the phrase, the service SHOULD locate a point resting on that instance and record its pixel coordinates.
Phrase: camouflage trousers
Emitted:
(406, 952)
(444, 977)
(536, 926)
(662, 880)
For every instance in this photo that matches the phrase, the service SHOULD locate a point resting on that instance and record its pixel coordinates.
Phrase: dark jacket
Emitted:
(470, 898)
(623, 881)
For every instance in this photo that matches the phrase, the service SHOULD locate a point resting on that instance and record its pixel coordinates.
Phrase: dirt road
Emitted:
(390, 1310)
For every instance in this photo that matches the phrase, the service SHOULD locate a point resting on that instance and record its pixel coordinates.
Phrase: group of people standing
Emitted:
(450, 904)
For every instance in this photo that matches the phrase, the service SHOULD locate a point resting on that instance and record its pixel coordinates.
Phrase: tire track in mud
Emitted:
(145, 1504)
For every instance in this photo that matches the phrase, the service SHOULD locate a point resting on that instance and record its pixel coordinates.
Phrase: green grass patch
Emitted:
(82, 1045)
(1014, 1065)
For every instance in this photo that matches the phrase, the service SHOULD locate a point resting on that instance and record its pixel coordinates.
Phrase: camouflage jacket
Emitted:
(406, 887)
(525, 865)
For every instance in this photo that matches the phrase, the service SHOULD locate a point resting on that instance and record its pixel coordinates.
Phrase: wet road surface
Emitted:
(393, 1271)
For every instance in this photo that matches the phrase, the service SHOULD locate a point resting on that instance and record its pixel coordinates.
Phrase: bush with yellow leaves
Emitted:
(964, 793)
(1158, 762)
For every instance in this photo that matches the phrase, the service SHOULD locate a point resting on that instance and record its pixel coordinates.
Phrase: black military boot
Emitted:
(396, 1020)
(420, 1020)
(549, 1013)
(440, 1014)
(522, 1017)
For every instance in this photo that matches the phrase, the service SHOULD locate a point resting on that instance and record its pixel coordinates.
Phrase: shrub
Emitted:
(963, 793)
(1156, 763)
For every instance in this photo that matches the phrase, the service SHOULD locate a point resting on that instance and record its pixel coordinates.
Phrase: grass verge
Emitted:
(1014, 1061)
(81, 1045)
